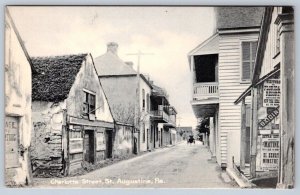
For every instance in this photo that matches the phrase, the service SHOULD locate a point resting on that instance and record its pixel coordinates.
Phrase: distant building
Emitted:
(72, 122)
(18, 69)
(163, 119)
(120, 83)
(185, 132)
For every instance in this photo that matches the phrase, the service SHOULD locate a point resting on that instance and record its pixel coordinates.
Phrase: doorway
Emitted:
(109, 143)
(89, 146)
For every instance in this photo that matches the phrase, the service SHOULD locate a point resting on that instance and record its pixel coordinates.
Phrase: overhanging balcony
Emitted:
(203, 91)
(160, 116)
(205, 99)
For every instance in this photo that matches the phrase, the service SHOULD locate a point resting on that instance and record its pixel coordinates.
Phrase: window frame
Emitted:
(87, 101)
(241, 59)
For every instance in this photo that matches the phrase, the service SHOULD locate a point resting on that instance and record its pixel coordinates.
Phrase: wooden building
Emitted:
(72, 122)
(273, 101)
(18, 69)
(221, 68)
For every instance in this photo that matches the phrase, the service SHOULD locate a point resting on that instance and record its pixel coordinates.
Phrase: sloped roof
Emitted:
(158, 91)
(209, 46)
(238, 17)
(55, 76)
(110, 64)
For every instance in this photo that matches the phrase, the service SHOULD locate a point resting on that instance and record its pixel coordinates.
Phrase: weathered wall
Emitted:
(46, 146)
(121, 95)
(87, 79)
(120, 92)
(17, 104)
(123, 143)
(230, 88)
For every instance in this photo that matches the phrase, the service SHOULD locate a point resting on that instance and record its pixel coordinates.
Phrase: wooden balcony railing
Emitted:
(206, 90)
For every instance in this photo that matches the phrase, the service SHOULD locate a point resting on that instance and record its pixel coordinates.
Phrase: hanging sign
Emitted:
(271, 116)
(271, 93)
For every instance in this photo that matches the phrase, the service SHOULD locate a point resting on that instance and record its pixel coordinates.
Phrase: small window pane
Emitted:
(246, 50)
(246, 71)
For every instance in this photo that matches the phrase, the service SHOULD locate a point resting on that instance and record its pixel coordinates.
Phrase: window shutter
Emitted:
(246, 61)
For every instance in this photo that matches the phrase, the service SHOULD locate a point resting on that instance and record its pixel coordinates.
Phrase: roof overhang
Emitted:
(261, 80)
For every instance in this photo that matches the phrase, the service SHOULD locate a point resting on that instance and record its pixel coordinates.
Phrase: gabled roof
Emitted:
(55, 76)
(209, 46)
(19, 38)
(110, 64)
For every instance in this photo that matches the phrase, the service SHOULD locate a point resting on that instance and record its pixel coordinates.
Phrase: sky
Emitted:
(169, 33)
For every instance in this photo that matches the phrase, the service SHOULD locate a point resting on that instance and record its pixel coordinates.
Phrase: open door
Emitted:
(89, 146)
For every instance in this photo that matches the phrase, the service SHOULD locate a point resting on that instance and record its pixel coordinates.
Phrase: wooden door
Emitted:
(89, 147)
(109, 143)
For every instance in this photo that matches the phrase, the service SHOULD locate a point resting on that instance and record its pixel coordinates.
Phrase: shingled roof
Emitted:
(55, 76)
(238, 17)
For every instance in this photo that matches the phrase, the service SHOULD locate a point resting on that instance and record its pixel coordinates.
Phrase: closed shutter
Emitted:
(248, 59)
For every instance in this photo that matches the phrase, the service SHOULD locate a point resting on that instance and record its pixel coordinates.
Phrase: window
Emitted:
(148, 102)
(248, 59)
(144, 133)
(89, 104)
(143, 94)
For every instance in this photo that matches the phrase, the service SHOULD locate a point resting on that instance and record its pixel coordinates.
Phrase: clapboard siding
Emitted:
(270, 51)
(230, 88)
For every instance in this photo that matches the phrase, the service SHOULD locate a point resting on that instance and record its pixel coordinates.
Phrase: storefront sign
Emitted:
(271, 93)
(76, 145)
(271, 116)
(100, 141)
(270, 152)
(11, 142)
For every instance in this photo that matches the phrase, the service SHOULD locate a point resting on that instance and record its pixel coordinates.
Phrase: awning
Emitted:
(261, 80)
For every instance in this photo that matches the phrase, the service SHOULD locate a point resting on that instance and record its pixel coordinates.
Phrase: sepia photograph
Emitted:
(149, 97)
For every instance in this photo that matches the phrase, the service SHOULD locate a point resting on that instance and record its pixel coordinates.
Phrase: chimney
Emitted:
(129, 64)
(112, 47)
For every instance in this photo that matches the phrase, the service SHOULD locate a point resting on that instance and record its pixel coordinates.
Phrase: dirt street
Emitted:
(180, 166)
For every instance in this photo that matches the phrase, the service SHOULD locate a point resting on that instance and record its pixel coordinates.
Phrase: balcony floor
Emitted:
(204, 110)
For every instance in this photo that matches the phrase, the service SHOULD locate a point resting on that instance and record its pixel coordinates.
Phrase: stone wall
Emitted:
(123, 143)
(46, 146)
(17, 105)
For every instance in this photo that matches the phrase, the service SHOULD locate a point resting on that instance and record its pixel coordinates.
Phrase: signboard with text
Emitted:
(271, 93)
(11, 142)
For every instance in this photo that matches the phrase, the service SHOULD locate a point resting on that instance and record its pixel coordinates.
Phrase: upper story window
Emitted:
(89, 104)
(248, 59)
(143, 95)
(148, 102)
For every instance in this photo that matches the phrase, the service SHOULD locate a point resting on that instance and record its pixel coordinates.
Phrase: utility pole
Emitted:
(137, 102)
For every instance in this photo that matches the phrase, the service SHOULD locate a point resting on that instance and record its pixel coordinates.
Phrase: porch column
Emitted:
(253, 129)
(243, 135)
(285, 23)
(212, 137)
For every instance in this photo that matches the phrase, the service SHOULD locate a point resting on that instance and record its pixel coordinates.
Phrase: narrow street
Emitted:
(181, 166)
